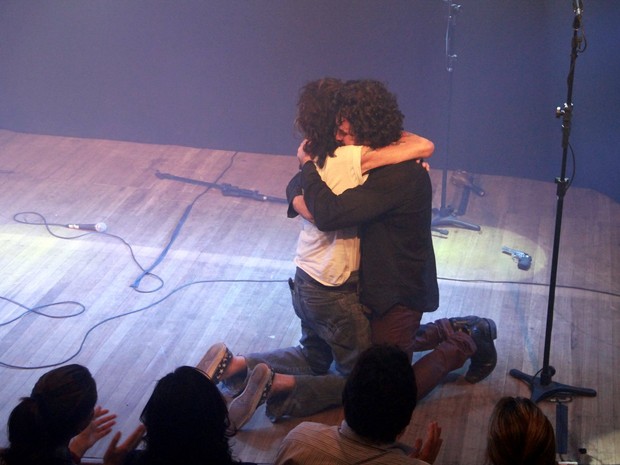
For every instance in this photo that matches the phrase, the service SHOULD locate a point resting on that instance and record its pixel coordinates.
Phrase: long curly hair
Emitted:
(316, 117)
(372, 110)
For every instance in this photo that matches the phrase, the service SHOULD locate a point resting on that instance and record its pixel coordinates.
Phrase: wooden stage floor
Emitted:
(224, 279)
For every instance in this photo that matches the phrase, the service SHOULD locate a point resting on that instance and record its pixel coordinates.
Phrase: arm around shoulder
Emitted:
(410, 146)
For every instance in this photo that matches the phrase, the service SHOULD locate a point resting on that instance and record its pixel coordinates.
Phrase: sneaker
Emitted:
(255, 393)
(214, 362)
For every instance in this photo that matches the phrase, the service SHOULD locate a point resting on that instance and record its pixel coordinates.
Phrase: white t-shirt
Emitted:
(330, 257)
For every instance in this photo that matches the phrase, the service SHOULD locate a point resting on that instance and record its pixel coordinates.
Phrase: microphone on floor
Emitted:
(97, 227)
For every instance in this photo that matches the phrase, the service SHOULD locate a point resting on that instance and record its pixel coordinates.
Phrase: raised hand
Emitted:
(101, 425)
(115, 455)
(428, 449)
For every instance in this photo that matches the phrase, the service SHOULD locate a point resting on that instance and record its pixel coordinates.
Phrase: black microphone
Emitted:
(98, 227)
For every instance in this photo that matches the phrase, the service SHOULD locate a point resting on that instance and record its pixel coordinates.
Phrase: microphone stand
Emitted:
(226, 189)
(445, 215)
(542, 387)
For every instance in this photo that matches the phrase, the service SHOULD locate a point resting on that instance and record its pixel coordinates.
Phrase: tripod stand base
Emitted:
(446, 218)
(540, 392)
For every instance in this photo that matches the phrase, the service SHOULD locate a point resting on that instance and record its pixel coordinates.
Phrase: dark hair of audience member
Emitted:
(316, 117)
(520, 434)
(380, 394)
(372, 111)
(40, 427)
(186, 421)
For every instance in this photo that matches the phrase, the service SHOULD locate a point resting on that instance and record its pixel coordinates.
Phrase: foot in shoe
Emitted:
(215, 361)
(483, 331)
(255, 393)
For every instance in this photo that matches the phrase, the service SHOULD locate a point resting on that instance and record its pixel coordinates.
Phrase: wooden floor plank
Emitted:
(224, 279)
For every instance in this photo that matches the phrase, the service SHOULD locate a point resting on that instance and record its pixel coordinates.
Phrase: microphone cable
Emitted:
(37, 310)
(112, 318)
(177, 229)
(22, 218)
(44, 222)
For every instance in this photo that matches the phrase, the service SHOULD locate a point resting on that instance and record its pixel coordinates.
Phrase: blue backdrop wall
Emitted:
(225, 74)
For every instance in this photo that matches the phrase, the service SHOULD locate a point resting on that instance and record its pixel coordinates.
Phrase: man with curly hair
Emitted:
(398, 273)
(298, 381)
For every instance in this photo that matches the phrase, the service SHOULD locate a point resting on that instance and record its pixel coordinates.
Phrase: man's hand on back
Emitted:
(302, 156)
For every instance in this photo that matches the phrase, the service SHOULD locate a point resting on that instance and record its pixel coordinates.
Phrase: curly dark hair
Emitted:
(372, 111)
(316, 117)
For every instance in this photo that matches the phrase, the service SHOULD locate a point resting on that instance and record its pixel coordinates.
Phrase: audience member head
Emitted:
(61, 405)
(316, 117)
(186, 420)
(520, 434)
(370, 113)
(380, 394)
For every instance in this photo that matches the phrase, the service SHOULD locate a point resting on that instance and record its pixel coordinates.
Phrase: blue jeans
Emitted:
(335, 328)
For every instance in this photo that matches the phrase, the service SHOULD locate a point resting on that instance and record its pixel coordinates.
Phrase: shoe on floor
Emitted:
(255, 393)
(483, 331)
(215, 361)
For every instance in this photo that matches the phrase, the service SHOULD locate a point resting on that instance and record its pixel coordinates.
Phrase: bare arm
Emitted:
(300, 207)
(408, 147)
(294, 194)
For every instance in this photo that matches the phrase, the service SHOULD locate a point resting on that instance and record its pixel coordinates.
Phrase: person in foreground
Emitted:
(58, 422)
(186, 422)
(398, 272)
(379, 398)
(520, 434)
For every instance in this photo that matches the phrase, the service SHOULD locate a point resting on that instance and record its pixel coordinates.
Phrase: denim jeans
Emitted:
(335, 329)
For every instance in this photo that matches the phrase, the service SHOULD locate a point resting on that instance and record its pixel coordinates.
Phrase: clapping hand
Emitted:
(115, 455)
(428, 449)
(99, 426)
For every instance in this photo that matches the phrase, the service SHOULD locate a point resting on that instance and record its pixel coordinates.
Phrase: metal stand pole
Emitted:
(542, 387)
(445, 215)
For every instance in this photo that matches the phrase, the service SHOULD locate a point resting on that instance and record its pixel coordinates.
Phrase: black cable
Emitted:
(37, 310)
(523, 283)
(482, 281)
(178, 227)
(178, 289)
(147, 272)
(43, 222)
(131, 312)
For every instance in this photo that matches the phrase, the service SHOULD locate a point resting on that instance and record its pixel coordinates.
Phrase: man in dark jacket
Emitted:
(393, 209)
